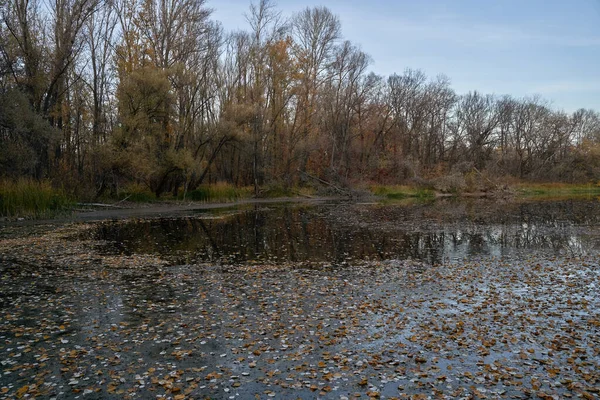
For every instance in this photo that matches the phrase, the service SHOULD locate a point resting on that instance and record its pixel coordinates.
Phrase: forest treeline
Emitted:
(96, 95)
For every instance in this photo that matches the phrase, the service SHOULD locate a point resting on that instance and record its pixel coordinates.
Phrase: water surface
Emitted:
(342, 233)
(133, 315)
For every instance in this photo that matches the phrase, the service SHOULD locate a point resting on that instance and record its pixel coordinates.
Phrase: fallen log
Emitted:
(324, 182)
(98, 205)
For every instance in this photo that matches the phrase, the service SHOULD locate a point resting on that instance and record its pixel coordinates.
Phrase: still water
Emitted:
(340, 233)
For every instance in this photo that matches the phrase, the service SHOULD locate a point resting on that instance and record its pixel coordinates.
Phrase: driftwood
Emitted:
(486, 178)
(120, 201)
(98, 205)
(324, 182)
(297, 193)
(116, 205)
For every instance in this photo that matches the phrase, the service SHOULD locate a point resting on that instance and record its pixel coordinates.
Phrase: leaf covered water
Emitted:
(76, 322)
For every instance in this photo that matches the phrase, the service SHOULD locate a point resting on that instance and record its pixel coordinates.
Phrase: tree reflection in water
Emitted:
(341, 233)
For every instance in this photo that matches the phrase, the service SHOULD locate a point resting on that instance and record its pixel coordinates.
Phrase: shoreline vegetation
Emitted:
(30, 199)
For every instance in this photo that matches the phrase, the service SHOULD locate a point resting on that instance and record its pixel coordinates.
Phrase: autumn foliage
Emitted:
(96, 95)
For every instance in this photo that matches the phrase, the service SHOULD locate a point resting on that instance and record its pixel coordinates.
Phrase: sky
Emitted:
(522, 48)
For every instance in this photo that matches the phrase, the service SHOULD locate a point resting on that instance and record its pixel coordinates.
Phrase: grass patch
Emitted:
(400, 192)
(552, 190)
(28, 198)
(219, 192)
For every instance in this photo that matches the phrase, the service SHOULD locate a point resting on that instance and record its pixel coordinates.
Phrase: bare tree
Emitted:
(99, 37)
(341, 101)
(315, 32)
(478, 116)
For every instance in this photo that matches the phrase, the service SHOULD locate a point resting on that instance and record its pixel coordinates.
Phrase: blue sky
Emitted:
(519, 47)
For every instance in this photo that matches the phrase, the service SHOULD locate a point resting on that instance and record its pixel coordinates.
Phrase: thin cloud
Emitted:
(450, 28)
(566, 87)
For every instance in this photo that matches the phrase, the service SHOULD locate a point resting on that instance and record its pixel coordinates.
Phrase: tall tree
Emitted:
(100, 36)
(315, 32)
(40, 57)
(341, 102)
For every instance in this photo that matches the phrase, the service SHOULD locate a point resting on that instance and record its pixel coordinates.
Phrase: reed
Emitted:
(28, 198)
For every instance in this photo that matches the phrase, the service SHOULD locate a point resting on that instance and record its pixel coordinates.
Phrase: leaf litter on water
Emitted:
(75, 322)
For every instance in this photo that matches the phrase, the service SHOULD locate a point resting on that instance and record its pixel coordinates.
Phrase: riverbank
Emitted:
(28, 200)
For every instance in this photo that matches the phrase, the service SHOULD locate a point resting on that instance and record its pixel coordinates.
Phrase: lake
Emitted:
(446, 299)
(339, 233)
